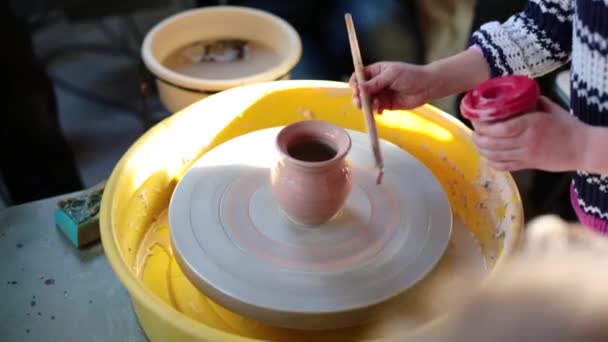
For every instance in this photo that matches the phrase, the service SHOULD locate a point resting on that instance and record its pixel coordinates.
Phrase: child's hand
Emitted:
(395, 85)
(549, 139)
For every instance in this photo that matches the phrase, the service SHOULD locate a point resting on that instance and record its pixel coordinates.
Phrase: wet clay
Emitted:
(191, 60)
(156, 236)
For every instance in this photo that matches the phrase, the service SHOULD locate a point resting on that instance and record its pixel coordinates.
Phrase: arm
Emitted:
(533, 42)
(458, 73)
(397, 85)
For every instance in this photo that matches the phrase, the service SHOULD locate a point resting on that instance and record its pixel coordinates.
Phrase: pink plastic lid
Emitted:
(500, 98)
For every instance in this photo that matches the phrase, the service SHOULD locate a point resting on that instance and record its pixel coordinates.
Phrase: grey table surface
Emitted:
(51, 291)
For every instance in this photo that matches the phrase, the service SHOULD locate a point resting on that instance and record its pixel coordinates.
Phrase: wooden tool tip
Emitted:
(379, 177)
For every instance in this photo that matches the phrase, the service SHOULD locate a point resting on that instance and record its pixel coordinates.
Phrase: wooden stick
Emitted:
(365, 99)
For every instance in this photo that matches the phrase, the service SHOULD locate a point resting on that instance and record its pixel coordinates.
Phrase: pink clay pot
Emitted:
(311, 179)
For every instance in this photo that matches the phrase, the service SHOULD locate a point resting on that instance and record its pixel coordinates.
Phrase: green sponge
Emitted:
(78, 216)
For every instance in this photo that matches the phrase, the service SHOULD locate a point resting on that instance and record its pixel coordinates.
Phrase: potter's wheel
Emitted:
(234, 244)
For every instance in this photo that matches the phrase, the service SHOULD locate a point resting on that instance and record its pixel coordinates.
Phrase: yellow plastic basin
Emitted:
(134, 204)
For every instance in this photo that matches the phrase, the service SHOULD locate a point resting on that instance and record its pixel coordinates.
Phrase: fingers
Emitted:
(508, 166)
(503, 155)
(381, 102)
(498, 144)
(352, 82)
(369, 71)
(378, 82)
(378, 78)
(376, 105)
(374, 69)
(503, 129)
(357, 102)
(505, 160)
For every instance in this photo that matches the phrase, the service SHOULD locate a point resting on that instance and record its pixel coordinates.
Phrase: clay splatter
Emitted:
(134, 226)
(33, 303)
(19, 245)
(306, 113)
(499, 233)
(90, 301)
(27, 331)
(52, 318)
(49, 281)
(144, 199)
(185, 161)
(344, 111)
(39, 313)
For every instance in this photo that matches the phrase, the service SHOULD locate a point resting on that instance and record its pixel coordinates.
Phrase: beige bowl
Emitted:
(177, 90)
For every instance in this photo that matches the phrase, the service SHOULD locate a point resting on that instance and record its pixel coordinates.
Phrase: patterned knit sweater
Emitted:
(544, 36)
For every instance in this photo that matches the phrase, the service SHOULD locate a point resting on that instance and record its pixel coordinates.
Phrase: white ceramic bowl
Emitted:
(177, 90)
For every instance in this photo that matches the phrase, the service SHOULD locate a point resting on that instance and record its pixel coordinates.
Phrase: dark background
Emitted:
(37, 161)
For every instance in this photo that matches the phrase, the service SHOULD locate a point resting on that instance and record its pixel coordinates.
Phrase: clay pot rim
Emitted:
(315, 129)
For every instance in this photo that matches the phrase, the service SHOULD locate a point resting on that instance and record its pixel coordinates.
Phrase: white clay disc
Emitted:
(234, 244)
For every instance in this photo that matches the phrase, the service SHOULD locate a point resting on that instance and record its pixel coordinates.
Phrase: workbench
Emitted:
(52, 291)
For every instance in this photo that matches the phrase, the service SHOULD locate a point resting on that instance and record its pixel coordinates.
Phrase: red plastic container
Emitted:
(500, 98)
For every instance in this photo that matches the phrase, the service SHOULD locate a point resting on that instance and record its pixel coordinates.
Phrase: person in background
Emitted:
(35, 160)
(541, 38)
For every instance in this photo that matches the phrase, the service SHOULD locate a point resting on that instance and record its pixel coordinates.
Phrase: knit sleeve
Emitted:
(533, 42)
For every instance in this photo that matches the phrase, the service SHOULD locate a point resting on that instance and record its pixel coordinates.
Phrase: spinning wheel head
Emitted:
(234, 242)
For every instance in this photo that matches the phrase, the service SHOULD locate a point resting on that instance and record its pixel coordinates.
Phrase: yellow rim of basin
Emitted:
(246, 95)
